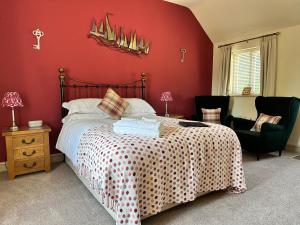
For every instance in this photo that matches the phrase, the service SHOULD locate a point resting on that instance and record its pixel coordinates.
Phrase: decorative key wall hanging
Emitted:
(183, 52)
(38, 34)
(107, 36)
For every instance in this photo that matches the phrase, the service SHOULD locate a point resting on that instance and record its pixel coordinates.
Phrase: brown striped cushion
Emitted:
(263, 118)
(211, 115)
(113, 104)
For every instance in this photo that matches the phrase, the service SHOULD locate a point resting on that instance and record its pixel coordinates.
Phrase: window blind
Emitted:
(245, 71)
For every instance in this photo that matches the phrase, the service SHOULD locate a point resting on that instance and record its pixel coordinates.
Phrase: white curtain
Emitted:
(225, 70)
(268, 54)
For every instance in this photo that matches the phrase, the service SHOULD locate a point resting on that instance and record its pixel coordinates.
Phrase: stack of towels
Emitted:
(142, 127)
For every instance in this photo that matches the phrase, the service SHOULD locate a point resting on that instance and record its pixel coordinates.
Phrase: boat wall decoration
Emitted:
(107, 36)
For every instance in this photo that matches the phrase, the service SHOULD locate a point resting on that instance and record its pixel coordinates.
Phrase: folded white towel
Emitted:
(143, 118)
(136, 131)
(138, 128)
(149, 120)
(138, 123)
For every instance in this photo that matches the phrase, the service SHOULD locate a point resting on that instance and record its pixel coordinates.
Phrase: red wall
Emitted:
(66, 24)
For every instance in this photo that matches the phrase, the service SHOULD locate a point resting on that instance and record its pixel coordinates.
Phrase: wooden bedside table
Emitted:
(27, 150)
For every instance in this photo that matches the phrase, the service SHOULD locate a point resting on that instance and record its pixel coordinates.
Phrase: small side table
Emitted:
(27, 150)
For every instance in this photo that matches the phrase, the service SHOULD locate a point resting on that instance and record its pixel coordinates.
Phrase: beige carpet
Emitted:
(59, 198)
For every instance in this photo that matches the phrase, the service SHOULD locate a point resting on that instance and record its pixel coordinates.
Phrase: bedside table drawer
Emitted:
(27, 166)
(28, 140)
(28, 153)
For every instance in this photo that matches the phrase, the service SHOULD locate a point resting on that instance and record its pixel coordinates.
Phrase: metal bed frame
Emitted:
(83, 89)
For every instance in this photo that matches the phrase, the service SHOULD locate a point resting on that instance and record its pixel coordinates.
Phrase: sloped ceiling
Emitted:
(227, 20)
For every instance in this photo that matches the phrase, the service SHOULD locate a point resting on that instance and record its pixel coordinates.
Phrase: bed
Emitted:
(134, 177)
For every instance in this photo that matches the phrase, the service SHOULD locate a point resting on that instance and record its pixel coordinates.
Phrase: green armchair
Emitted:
(273, 137)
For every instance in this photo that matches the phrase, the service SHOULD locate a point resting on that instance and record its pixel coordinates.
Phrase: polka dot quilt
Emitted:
(137, 176)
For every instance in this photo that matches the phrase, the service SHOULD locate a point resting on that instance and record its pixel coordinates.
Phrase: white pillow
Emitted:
(137, 106)
(80, 116)
(97, 116)
(83, 105)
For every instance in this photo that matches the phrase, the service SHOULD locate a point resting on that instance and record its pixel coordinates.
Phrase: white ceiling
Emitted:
(227, 20)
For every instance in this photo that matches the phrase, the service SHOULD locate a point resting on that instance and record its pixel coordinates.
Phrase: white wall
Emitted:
(288, 76)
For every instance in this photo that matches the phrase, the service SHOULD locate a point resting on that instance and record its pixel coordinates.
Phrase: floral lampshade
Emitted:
(166, 97)
(12, 99)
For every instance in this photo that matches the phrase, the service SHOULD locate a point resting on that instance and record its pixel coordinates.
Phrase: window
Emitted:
(245, 71)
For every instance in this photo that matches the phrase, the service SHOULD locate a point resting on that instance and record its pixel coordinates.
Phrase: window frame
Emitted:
(243, 48)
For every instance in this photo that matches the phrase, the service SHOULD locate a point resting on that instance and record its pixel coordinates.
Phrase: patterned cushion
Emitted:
(211, 115)
(113, 104)
(263, 118)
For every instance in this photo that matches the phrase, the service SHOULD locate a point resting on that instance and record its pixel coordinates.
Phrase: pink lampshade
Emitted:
(12, 99)
(166, 97)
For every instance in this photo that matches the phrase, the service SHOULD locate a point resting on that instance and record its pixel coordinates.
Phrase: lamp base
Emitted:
(167, 115)
(14, 128)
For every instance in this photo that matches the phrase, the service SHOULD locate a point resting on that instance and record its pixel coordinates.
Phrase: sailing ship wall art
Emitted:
(107, 36)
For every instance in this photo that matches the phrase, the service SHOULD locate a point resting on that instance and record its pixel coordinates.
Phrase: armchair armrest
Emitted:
(195, 117)
(242, 124)
(269, 127)
(274, 136)
(227, 120)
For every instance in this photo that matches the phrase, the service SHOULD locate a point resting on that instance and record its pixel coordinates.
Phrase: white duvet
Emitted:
(71, 132)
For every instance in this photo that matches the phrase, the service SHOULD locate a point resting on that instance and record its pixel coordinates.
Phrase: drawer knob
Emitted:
(28, 143)
(29, 154)
(31, 166)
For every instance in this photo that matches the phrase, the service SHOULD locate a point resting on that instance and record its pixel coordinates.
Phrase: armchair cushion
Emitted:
(211, 115)
(212, 102)
(263, 118)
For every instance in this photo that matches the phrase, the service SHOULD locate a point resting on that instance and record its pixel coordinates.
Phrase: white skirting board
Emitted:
(2, 167)
(291, 148)
(55, 158)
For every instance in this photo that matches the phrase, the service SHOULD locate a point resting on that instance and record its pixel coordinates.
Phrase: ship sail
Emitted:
(131, 41)
(134, 45)
(101, 28)
(125, 45)
(121, 37)
(141, 45)
(94, 27)
(110, 34)
(118, 42)
(147, 48)
(94, 30)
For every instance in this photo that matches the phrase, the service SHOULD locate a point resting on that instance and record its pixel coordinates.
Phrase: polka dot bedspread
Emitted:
(136, 176)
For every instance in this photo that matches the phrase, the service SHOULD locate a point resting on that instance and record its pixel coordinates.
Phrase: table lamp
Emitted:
(12, 99)
(166, 97)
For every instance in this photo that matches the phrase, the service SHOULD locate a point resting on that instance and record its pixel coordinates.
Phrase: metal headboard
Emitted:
(96, 90)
